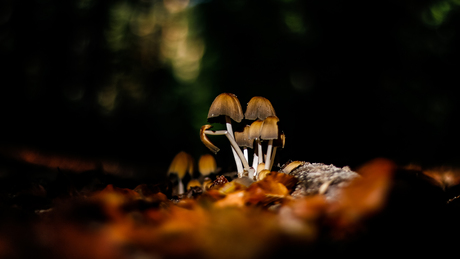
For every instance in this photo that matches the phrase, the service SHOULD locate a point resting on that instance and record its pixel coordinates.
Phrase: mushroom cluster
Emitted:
(183, 165)
(227, 108)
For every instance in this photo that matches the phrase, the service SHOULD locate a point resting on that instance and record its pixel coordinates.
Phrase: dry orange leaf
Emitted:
(444, 177)
(234, 199)
(287, 180)
(265, 191)
(230, 187)
(366, 195)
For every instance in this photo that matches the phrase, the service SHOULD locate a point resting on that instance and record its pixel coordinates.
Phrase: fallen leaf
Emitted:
(364, 196)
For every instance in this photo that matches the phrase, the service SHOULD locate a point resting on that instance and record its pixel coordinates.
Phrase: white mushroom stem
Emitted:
(255, 159)
(272, 158)
(235, 147)
(245, 153)
(269, 154)
(228, 124)
(181, 186)
(259, 150)
(251, 173)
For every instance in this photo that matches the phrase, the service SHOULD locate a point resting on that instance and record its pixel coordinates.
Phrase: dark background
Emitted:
(350, 81)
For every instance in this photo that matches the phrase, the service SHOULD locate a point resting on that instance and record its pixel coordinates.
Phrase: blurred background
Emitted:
(131, 81)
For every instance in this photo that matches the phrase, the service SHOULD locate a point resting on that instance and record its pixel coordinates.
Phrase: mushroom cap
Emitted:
(193, 183)
(263, 174)
(242, 138)
(260, 167)
(181, 164)
(269, 129)
(255, 128)
(288, 168)
(226, 104)
(207, 164)
(259, 108)
(205, 139)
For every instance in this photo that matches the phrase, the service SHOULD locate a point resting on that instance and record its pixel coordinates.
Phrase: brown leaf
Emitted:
(287, 180)
(366, 195)
(234, 199)
(444, 177)
(265, 191)
(220, 180)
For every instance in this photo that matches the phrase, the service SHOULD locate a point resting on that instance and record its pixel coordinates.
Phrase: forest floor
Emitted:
(388, 210)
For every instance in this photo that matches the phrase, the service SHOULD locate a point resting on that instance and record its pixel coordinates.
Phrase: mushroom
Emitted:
(288, 168)
(180, 165)
(242, 139)
(193, 183)
(207, 183)
(260, 167)
(228, 106)
(259, 108)
(262, 174)
(254, 133)
(269, 131)
(207, 164)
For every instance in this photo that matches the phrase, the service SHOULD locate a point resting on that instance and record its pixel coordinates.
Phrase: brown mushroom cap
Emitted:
(207, 164)
(288, 168)
(181, 164)
(242, 138)
(269, 129)
(259, 108)
(193, 183)
(255, 128)
(205, 139)
(226, 104)
(263, 174)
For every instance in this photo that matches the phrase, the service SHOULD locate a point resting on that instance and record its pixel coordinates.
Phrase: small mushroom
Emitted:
(193, 183)
(269, 131)
(181, 165)
(227, 106)
(259, 168)
(207, 164)
(288, 168)
(259, 108)
(254, 133)
(242, 139)
(262, 174)
(207, 183)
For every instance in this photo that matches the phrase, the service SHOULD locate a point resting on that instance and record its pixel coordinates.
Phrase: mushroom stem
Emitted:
(180, 186)
(272, 158)
(228, 124)
(269, 153)
(234, 146)
(259, 150)
(245, 153)
(255, 159)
